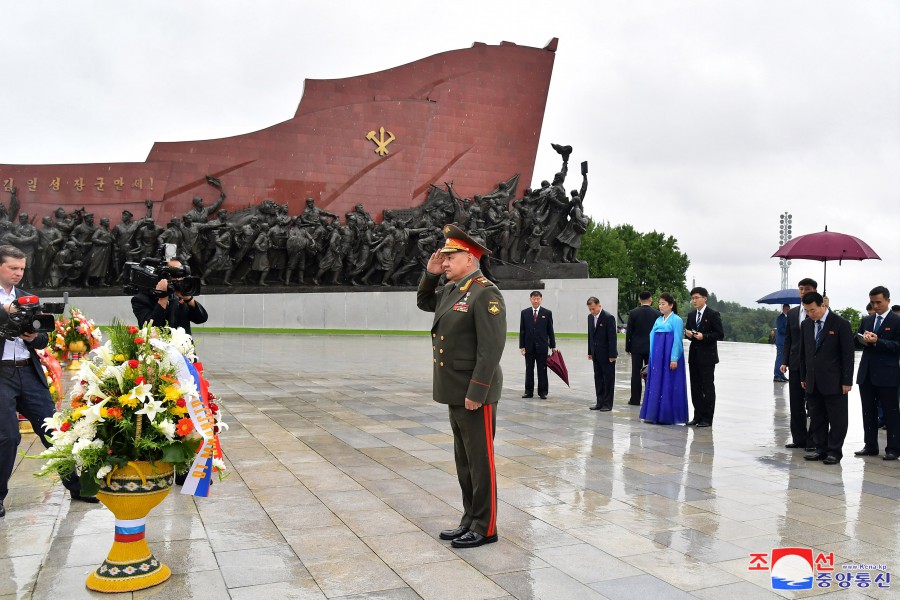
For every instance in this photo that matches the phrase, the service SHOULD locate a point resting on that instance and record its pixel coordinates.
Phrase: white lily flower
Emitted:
(92, 414)
(54, 422)
(142, 392)
(151, 409)
(219, 464)
(103, 471)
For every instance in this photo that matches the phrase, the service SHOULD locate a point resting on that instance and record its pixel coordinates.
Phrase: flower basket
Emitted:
(137, 401)
(130, 493)
(75, 336)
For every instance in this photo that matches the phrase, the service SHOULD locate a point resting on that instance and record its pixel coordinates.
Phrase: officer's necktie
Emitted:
(699, 316)
(535, 314)
(818, 332)
(877, 323)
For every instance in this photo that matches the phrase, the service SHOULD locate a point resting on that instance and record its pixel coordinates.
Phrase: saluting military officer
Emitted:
(467, 336)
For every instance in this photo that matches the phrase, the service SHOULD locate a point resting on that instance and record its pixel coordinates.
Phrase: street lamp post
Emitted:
(784, 236)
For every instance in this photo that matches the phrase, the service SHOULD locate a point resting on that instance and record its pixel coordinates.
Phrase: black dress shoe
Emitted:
(831, 460)
(889, 456)
(473, 540)
(543, 396)
(703, 424)
(811, 448)
(2, 510)
(691, 422)
(630, 403)
(88, 499)
(866, 452)
(452, 534)
(605, 408)
(814, 456)
(793, 445)
(596, 407)
(528, 395)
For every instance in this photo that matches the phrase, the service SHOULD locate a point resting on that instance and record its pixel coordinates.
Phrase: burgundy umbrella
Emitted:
(824, 246)
(556, 364)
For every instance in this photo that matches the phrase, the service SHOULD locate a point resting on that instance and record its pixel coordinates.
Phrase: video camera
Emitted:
(142, 278)
(31, 316)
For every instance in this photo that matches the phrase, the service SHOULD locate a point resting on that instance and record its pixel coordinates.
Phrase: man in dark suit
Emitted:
(468, 335)
(602, 352)
(535, 338)
(826, 373)
(637, 342)
(703, 327)
(791, 360)
(23, 385)
(879, 374)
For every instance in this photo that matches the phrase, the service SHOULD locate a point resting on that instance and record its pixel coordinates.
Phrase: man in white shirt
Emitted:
(23, 385)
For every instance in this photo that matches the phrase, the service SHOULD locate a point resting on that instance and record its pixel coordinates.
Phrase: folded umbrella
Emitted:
(556, 364)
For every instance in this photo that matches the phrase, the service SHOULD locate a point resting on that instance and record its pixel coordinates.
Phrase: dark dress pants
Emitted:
(873, 397)
(637, 363)
(604, 380)
(703, 391)
(797, 397)
(21, 391)
(533, 358)
(827, 422)
(473, 449)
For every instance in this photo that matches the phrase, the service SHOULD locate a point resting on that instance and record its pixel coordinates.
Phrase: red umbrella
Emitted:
(556, 364)
(824, 246)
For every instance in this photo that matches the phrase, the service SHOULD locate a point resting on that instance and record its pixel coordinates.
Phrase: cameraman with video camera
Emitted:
(169, 304)
(23, 385)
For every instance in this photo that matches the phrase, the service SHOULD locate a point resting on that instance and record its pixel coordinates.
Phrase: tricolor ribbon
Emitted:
(199, 477)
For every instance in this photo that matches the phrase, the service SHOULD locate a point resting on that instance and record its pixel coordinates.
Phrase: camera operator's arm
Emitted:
(38, 341)
(196, 313)
(147, 308)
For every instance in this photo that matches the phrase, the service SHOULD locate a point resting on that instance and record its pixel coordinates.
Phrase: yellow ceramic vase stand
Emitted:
(131, 492)
(76, 351)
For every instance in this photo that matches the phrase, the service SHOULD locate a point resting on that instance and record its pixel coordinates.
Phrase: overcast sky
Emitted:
(702, 119)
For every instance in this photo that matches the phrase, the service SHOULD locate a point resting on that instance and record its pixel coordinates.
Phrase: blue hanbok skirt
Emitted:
(665, 397)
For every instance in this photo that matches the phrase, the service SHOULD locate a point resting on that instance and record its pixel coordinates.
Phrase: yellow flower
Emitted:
(103, 412)
(128, 401)
(178, 410)
(119, 358)
(172, 392)
(77, 413)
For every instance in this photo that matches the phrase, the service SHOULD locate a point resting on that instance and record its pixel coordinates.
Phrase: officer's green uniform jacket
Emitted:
(468, 336)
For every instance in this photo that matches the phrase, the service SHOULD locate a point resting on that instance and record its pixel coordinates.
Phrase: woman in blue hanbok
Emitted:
(665, 397)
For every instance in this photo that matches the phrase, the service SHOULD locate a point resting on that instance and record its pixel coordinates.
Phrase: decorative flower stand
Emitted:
(131, 492)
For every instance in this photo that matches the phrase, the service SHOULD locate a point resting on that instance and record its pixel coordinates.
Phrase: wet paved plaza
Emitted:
(343, 474)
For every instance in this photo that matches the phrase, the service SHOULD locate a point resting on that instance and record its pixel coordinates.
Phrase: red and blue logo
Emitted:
(792, 569)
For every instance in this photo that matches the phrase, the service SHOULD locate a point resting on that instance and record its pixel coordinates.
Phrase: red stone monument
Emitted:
(472, 116)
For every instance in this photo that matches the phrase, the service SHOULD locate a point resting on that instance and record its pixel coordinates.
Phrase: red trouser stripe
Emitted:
(489, 439)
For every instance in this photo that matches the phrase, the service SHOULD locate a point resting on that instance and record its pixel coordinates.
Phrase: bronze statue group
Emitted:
(265, 245)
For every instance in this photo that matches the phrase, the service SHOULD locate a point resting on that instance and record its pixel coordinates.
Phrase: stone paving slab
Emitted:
(342, 476)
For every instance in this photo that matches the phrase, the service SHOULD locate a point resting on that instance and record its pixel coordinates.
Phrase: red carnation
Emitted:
(133, 363)
(65, 426)
(180, 402)
(214, 407)
(140, 341)
(132, 330)
(139, 381)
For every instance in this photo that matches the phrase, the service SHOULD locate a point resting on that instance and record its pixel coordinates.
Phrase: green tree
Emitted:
(640, 261)
(852, 315)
